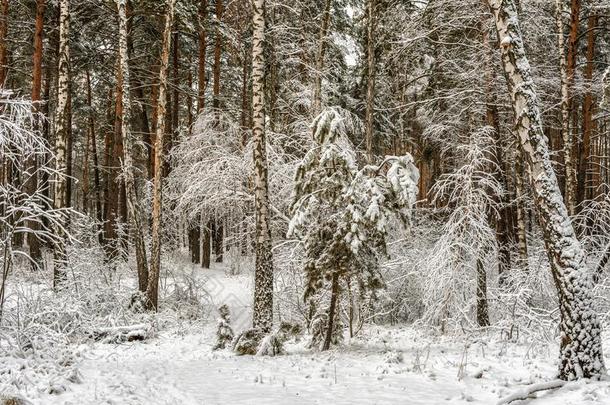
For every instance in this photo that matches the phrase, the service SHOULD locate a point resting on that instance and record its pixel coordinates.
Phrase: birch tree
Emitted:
(152, 289)
(263, 276)
(128, 142)
(581, 354)
(566, 135)
(61, 140)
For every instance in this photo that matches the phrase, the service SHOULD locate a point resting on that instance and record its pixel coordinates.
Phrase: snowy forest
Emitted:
(304, 202)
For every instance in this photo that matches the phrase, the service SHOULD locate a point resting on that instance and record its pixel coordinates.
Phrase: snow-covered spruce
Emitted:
(224, 332)
(581, 354)
(341, 213)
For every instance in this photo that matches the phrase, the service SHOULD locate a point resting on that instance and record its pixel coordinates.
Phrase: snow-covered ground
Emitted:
(383, 365)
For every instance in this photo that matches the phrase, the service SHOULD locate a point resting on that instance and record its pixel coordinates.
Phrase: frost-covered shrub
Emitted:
(218, 156)
(525, 305)
(183, 296)
(454, 272)
(289, 282)
(24, 206)
(13, 399)
(271, 345)
(43, 332)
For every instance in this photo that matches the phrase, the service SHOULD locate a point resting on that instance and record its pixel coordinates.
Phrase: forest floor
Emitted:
(383, 365)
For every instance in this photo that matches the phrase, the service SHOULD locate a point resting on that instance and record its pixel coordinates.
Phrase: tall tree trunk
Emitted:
(218, 239)
(46, 127)
(317, 87)
(206, 246)
(135, 216)
(189, 100)
(201, 79)
(110, 185)
(566, 135)
(245, 105)
(502, 220)
(175, 123)
(588, 124)
(521, 213)
(137, 88)
(32, 186)
(119, 183)
(93, 147)
(572, 133)
(216, 224)
(152, 290)
(482, 307)
(217, 55)
(154, 98)
(334, 295)
(263, 273)
(581, 354)
(176, 84)
(202, 251)
(194, 230)
(69, 143)
(370, 78)
(61, 141)
(87, 147)
(3, 47)
(272, 86)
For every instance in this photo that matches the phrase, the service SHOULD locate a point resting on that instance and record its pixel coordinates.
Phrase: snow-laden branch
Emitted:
(528, 391)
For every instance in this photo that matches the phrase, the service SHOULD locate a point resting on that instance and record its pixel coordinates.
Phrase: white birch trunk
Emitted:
(566, 135)
(61, 141)
(581, 354)
(263, 276)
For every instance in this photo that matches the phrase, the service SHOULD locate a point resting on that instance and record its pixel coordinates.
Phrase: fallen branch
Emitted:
(126, 333)
(527, 392)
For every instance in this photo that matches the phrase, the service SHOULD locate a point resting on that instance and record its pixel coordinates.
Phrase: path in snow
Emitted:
(176, 369)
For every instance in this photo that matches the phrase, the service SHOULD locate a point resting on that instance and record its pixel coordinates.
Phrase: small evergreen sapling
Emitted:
(341, 213)
(224, 333)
